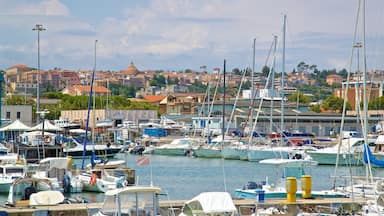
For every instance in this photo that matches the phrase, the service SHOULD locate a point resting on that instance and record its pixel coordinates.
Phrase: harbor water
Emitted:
(182, 178)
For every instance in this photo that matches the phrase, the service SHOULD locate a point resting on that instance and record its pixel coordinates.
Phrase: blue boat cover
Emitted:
(369, 156)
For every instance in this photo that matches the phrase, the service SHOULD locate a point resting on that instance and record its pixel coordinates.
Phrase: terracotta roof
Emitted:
(153, 98)
(97, 89)
(20, 66)
(131, 70)
(334, 76)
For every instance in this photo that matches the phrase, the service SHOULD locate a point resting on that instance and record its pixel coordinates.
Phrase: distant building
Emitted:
(22, 112)
(78, 90)
(355, 96)
(116, 116)
(333, 79)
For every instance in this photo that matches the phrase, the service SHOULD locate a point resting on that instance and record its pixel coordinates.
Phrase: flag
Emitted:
(142, 161)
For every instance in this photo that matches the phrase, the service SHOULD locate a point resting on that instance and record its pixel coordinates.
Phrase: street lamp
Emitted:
(38, 28)
(42, 115)
(357, 45)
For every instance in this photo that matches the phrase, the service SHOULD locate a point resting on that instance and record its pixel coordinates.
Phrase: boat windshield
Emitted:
(139, 203)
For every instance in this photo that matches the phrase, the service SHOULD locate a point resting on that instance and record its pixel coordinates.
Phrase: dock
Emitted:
(244, 206)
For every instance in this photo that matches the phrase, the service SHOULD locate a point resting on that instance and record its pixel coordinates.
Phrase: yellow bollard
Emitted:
(70, 162)
(291, 187)
(306, 186)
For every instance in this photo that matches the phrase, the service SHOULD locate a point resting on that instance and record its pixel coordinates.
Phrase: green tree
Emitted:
(376, 104)
(315, 108)
(344, 73)
(265, 70)
(302, 98)
(236, 71)
(53, 95)
(335, 104)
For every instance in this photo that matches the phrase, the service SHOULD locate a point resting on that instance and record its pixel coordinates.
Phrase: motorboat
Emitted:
(178, 147)
(289, 168)
(58, 170)
(132, 200)
(210, 203)
(350, 152)
(8, 173)
(75, 149)
(22, 189)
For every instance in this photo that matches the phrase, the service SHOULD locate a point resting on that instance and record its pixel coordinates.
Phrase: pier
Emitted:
(244, 206)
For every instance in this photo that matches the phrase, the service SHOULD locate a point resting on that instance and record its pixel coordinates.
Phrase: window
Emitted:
(8, 116)
(18, 115)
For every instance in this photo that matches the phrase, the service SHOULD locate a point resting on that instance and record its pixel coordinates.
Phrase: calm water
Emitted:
(185, 177)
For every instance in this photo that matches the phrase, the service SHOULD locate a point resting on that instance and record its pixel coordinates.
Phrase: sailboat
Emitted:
(97, 179)
(211, 149)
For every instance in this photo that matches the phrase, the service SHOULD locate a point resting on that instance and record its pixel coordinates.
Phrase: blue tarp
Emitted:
(369, 156)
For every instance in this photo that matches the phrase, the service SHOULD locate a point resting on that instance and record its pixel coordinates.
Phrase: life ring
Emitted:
(92, 181)
(47, 139)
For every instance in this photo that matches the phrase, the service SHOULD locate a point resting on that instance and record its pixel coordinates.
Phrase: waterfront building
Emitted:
(116, 116)
(10, 113)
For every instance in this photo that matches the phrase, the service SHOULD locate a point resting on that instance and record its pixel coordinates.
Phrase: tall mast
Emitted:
(88, 111)
(94, 102)
(282, 82)
(273, 82)
(253, 69)
(365, 98)
(223, 125)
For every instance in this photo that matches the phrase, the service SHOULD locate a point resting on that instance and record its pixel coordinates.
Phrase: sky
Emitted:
(187, 34)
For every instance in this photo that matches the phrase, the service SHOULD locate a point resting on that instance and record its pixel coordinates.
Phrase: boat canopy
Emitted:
(132, 189)
(56, 162)
(133, 200)
(289, 162)
(208, 203)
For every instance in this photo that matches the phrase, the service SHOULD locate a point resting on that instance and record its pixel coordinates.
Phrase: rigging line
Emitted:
(215, 94)
(253, 97)
(250, 140)
(345, 101)
(201, 112)
(237, 98)
(222, 130)
(365, 104)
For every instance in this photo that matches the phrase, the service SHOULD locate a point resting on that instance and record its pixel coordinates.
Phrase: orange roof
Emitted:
(20, 66)
(97, 89)
(334, 76)
(153, 98)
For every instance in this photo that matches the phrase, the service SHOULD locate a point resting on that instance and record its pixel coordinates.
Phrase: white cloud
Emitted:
(164, 32)
(28, 8)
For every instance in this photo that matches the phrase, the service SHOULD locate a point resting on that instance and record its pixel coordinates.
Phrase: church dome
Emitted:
(131, 70)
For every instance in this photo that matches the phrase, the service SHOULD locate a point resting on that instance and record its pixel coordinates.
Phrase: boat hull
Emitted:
(345, 159)
(4, 186)
(100, 153)
(208, 153)
(262, 154)
(251, 194)
(231, 153)
(171, 151)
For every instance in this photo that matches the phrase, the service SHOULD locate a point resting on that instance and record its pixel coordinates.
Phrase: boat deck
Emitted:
(245, 206)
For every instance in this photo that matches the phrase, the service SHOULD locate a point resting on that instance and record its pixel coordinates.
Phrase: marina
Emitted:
(284, 137)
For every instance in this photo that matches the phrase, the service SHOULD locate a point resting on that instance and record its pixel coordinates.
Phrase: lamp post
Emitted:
(38, 28)
(42, 115)
(357, 46)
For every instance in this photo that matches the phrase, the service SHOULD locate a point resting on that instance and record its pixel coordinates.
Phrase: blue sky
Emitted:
(180, 34)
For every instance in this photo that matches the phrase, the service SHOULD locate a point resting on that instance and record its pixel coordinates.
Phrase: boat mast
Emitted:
(223, 126)
(88, 111)
(365, 98)
(272, 83)
(253, 69)
(282, 83)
